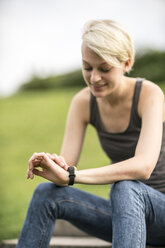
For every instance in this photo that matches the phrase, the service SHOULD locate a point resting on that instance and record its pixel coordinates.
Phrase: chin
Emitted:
(99, 94)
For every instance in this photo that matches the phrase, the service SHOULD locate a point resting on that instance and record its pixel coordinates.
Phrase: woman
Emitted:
(128, 114)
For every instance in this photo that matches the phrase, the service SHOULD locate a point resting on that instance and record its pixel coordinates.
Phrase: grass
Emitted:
(35, 122)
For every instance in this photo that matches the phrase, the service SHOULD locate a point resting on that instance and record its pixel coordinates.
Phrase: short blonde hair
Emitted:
(110, 41)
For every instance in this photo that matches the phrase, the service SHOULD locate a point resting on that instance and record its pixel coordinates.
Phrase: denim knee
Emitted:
(51, 193)
(126, 195)
(128, 216)
(42, 198)
(43, 191)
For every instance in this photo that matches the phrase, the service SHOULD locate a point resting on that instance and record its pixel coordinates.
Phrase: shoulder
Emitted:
(150, 87)
(150, 93)
(83, 96)
(81, 101)
(151, 90)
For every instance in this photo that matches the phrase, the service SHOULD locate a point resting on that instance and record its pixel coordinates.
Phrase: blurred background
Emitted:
(39, 37)
(40, 71)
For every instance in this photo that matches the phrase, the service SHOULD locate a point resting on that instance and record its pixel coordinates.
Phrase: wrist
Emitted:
(78, 177)
(86, 177)
(72, 175)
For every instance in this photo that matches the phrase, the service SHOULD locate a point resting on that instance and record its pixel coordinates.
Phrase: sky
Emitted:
(43, 37)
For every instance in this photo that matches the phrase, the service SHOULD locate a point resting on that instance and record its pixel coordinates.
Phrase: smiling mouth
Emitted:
(98, 86)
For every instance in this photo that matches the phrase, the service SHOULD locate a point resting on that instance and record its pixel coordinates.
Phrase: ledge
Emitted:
(66, 242)
(69, 242)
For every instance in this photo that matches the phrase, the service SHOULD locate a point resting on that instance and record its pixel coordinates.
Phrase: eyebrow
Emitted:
(104, 63)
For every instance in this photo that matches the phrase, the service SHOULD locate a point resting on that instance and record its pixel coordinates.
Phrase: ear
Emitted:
(127, 65)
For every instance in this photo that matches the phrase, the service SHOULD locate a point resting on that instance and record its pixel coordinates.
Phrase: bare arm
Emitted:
(77, 120)
(148, 148)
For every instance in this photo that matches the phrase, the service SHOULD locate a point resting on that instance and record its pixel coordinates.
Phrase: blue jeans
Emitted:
(133, 216)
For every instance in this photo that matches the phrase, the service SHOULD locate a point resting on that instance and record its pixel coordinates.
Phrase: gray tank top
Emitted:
(121, 146)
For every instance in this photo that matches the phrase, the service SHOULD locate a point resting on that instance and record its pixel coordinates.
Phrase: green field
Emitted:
(35, 122)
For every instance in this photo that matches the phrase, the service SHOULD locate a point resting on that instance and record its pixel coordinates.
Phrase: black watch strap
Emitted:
(72, 175)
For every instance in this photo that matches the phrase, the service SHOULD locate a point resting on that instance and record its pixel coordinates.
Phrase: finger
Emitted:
(37, 163)
(58, 160)
(27, 174)
(52, 157)
(45, 160)
(65, 166)
(30, 166)
(38, 173)
(31, 163)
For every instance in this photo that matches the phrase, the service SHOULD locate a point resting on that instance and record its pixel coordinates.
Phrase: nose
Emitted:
(95, 76)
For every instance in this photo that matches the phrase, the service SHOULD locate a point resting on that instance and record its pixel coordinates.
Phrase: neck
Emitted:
(119, 94)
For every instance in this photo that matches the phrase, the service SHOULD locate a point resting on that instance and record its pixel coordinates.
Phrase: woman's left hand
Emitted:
(58, 160)
(49, 169)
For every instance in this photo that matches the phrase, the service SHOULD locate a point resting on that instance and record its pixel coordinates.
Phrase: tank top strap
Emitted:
(135, 119)
(93, 110)
(134, 113)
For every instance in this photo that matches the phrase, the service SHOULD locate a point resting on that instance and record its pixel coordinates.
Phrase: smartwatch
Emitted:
(72, 175)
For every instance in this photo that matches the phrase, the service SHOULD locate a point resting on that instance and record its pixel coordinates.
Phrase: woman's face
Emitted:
(102, 78)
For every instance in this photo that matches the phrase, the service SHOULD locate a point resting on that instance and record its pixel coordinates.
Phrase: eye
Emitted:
(87, 68)
(105, 69)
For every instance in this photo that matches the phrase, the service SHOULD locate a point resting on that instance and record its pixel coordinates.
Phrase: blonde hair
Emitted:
(110, 41)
